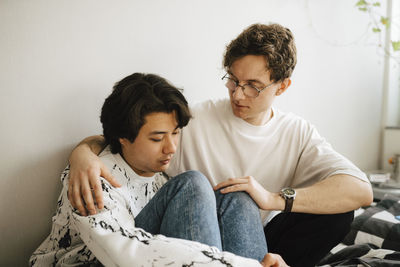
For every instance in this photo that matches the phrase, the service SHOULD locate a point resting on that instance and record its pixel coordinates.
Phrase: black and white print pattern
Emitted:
(110, 237)
(374, 238)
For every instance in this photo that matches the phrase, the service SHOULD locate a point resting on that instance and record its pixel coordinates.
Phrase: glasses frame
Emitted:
(226, 77)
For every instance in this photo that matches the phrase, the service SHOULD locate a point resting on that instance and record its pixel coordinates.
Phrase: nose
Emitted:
(169, 146)
(238, 93)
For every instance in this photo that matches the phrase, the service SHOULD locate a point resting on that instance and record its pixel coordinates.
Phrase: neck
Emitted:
(137, 170)
(262, 119)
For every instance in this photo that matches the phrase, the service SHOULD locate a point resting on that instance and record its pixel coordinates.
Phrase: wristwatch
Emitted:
(288, 194)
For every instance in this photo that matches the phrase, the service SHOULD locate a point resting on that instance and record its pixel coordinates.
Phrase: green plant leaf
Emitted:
(376, 4)
(385, 21)
(363, 9)
(376, 30)
(361, 3)
(396, 46)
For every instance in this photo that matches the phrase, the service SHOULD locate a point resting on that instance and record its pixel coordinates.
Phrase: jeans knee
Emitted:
(195, 178)
(241, 201)
(199, 184)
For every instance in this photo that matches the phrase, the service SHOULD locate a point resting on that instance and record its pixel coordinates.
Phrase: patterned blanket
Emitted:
(374, 238)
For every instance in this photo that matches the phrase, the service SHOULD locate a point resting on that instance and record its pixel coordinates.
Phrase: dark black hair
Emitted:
(134, 97)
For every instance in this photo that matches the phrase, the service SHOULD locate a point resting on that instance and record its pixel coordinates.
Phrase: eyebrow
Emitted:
(161, 132)
(157, 132)
(252, 80)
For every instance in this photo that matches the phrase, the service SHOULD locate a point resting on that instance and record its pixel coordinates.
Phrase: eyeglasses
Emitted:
(248, 89)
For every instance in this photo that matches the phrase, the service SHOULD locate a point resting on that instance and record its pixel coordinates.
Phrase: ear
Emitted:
(284, 85)
(122, 141)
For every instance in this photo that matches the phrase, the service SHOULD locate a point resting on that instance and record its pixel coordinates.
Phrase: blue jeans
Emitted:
(186, 207)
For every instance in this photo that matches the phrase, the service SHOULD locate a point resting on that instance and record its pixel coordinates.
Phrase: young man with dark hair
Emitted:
(279, 159)
(145, 222)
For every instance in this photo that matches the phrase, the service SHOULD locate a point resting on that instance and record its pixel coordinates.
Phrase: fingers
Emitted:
(87, 196)
(105, 173)
(77, 200)
(235, 188)
(268, 261)
(249, 185)
(273, 260)
(96, 184)
(230, 181)
(98, 192)
(85, 172)
(69, 193)
(80, 193)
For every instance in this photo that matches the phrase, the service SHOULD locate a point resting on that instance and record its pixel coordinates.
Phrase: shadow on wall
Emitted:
(26, 220)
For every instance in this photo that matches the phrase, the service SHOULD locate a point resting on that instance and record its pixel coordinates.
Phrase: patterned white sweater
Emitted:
(110, 237)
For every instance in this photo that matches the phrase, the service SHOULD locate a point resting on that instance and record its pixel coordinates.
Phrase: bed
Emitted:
(374, 238)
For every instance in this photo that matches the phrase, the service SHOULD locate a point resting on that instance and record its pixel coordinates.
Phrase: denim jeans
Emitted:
(186, 207)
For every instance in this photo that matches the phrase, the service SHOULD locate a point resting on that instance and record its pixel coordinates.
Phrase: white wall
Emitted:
(393, 99)
(59, 60)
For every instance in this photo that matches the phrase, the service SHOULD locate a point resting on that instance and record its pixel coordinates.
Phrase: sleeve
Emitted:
(112, 237)
(318, 160)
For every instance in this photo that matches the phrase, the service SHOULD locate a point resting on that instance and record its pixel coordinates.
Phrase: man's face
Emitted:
(251, 69)
(154, 146)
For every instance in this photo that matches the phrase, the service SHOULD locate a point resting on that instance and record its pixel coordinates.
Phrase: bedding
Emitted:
(373, 240)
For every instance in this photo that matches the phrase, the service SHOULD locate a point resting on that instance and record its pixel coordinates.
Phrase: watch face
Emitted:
(289, 192)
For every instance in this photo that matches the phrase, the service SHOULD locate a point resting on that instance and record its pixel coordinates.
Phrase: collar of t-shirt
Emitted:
(248, 128)
(129, 172)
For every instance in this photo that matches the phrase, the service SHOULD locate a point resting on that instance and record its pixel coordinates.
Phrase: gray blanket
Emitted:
(374, 238)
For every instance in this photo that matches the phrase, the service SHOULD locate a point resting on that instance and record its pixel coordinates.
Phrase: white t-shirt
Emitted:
(286, 151)
(111, 235)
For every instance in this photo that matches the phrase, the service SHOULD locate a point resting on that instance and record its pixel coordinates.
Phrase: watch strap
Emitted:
(288, 194)
(288, 204)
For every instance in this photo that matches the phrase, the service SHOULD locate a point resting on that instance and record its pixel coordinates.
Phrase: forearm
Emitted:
(90, 145)
(95, 144)
(335, 194)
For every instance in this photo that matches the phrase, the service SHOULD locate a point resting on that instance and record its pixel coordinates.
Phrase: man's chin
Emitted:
(239, 114)
(237, 111)
(163, 168)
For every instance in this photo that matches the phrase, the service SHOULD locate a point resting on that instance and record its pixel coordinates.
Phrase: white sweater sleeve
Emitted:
(112, 237)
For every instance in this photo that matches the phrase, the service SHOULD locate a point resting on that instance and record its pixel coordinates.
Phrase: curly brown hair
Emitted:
(273, 41)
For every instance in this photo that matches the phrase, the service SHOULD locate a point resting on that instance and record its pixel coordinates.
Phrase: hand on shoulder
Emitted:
(85, 171)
